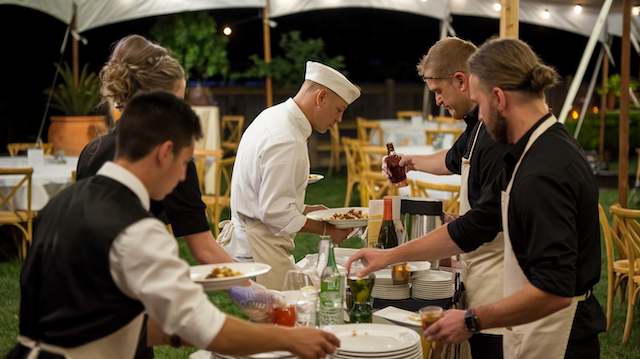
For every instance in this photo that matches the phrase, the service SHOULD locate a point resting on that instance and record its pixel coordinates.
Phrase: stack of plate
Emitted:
(270, 355)
(384, 288)
(359, 341)
(432, 284)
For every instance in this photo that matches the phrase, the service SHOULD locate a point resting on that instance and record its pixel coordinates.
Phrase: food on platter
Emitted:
(223, 272)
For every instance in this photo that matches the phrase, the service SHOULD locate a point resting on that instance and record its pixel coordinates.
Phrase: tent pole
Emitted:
(75, 48)
(509, 18)
(584, 62)
(603, 104)
(623, 150)
(587, 100)
(266, 38)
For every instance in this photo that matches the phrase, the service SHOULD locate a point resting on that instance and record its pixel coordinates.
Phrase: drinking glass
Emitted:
(429, 315)
(303, 295)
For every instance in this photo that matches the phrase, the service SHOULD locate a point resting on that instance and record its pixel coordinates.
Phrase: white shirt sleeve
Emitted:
(280, 208)
(145, 266)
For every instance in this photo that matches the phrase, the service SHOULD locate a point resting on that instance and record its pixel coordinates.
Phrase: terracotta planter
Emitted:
(71, 133)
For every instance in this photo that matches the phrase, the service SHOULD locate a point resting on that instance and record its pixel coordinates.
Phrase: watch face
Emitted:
(471, 321)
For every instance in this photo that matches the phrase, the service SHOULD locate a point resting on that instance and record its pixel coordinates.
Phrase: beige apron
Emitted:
(273, 250)
(482, 274)
(546, 337)
(120, 344)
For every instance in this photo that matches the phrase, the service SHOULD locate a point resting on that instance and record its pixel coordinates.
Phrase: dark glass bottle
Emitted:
(387, 237)
(398, 173)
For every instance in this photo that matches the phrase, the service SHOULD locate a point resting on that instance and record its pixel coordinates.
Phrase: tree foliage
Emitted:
(288, 69)
(193, 39)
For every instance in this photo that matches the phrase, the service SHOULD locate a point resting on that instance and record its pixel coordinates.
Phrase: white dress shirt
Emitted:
(270, 174)
(144, 264)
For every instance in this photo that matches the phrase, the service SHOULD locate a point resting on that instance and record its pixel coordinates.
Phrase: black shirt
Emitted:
(486, 162)
(553, 220)
(183, 208)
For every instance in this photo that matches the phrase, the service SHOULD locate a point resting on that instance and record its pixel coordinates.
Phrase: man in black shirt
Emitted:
(478, 158)
(549, 214)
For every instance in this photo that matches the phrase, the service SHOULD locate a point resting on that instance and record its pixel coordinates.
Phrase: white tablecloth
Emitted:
(210, 122)
(412, 133)
(427, 177)
(47, 180)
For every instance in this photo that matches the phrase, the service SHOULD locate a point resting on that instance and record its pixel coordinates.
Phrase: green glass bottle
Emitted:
(331, 289)
(387, 237)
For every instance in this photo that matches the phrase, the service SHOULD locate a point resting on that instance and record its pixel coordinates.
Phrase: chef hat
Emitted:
(333, 80)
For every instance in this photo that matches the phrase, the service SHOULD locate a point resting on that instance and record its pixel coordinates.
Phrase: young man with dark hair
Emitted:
(100, 260)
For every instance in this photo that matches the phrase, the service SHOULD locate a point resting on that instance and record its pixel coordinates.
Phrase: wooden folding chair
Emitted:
(431, 134)
(18, 147)
(407, 114)
(19, 218)
(366, 129)
(220, 199)
(617, 260)
(352, 158)
(334, 160)
(630, 234)
(422, 189)
(375, 185)
(232, 127)
(445, 120)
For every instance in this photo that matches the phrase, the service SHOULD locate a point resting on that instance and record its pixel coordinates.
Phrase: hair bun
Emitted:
(542, 77)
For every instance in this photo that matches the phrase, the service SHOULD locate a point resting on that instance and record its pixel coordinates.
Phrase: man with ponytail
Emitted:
(548, 210)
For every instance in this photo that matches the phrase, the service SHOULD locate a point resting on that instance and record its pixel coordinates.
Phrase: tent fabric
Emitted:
(93, 13)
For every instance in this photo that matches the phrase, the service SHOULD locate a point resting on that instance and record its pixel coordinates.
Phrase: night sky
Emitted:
(377, 45)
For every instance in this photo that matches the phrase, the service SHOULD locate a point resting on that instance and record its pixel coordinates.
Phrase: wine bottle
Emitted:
(387, 237)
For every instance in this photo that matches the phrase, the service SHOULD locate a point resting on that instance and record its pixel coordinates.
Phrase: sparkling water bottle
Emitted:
(331, 290)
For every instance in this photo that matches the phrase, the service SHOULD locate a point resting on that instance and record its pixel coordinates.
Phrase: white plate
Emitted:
(343, 254)
(373, 338)
(433, 276)
(313, 178)
(407, 354)
(247, 270)
(325, 214)
(419, 266)
(399, 316)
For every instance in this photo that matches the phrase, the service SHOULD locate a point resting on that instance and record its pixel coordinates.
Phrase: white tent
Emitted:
(555, 14)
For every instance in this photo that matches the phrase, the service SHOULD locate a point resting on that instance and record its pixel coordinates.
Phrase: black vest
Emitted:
(68, 297)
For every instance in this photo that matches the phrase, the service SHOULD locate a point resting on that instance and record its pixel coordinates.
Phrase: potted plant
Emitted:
(77, 127)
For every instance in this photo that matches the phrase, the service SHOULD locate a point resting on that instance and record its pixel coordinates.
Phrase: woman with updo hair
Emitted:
(138, 65)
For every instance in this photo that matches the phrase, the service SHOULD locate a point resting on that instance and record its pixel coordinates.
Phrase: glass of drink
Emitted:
(398, 173)
(361, 306)
(429, 315)
(285, 315)
(400, 273)
(374, 222)
(302, 294)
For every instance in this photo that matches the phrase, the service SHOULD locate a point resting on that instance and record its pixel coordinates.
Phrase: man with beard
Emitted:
(549, 214)
(478, 159)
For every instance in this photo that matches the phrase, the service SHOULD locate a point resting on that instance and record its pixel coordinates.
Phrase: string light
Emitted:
(424, 0)
(546, 14)
(574, 115)
(577, 9)
(595, 110)
(227, 30)
(497, 6)
(635, 10)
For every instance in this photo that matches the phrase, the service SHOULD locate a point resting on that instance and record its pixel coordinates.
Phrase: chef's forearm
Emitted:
(313, 226)
(434, 245)
(526, 305)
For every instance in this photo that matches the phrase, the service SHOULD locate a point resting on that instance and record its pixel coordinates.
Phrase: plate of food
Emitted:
(348, 217)
(314, 177)
(226, 275)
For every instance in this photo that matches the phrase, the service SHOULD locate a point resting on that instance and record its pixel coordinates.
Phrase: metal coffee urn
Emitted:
(419, 217)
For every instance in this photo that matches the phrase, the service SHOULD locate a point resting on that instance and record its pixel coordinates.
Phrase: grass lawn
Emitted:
(330, 192)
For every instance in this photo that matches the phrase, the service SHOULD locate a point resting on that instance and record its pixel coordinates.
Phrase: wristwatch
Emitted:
(471, 321)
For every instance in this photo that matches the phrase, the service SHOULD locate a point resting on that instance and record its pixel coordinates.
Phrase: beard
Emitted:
(497, 126)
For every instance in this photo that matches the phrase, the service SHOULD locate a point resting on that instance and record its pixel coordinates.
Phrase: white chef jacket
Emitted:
(144, 265)
(270, 174)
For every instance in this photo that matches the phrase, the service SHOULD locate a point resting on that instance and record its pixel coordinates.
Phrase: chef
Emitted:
(478, 158)
(99, 259)
(549, 214)
(271, 172)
